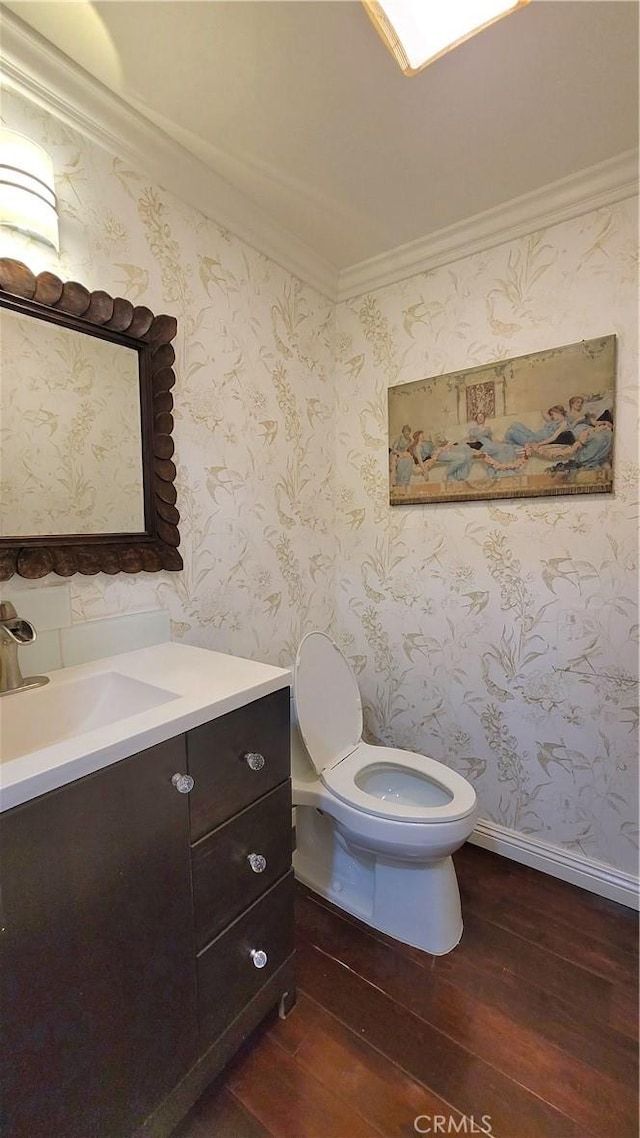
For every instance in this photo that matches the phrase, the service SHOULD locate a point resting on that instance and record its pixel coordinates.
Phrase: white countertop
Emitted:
(205, 685)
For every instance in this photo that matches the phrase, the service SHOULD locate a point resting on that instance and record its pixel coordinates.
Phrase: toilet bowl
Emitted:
(375, 826)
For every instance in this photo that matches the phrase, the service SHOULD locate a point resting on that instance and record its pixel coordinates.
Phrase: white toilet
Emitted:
(375, 826)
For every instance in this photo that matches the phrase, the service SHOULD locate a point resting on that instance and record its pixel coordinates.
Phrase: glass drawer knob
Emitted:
(257, 862)
(183, 783)
(254, 760)
(258, 957)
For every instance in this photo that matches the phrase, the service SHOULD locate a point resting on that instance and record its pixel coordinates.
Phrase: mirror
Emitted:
(86, 471)
(76, 399)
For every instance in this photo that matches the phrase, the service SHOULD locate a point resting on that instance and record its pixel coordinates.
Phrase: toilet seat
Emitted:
(329, 712)
(341, 781)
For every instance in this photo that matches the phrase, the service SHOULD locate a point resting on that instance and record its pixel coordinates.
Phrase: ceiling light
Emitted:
(417, 32)
(27, 192)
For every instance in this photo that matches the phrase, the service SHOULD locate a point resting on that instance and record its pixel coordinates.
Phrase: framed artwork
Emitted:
(522, 428)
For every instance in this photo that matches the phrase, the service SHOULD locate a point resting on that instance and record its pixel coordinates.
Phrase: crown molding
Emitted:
(39, 72)
(44, 75)
(601, 185)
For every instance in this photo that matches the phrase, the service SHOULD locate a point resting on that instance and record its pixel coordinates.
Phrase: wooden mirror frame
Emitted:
(116, 319)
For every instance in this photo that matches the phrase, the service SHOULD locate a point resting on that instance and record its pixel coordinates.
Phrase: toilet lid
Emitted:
(327, 701)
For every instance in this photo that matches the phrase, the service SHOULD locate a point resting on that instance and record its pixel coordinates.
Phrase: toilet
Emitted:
(375, 826)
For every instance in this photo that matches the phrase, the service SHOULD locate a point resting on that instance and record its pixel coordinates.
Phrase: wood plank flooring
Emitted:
(528, 1029)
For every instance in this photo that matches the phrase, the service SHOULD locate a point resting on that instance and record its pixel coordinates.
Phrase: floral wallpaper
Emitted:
(78, 397)
(501, 639)
(254, 402)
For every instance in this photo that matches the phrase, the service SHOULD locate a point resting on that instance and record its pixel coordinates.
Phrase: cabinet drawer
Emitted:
(227, 975)
(224, 781)
(225, 881)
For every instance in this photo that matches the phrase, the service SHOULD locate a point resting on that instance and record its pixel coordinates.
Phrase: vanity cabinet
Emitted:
(98, 981)
(147, 928)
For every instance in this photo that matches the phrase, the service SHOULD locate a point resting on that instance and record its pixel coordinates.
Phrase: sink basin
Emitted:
(32, 720)
(97, 713)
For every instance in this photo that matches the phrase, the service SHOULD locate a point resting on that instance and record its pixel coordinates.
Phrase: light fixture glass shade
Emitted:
(27, 191)
(417, 32)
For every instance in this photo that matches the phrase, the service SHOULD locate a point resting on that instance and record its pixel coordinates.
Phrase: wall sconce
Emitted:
(27, 191)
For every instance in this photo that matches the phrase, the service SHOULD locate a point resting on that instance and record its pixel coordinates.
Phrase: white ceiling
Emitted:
(298, 105)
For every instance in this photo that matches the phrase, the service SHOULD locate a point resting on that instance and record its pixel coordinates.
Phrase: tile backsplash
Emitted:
(107, 637)
(60, 642)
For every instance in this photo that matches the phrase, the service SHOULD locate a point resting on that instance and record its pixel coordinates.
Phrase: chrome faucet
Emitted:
(14, 632)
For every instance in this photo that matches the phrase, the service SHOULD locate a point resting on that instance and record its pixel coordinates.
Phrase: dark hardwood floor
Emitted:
(528, 1029)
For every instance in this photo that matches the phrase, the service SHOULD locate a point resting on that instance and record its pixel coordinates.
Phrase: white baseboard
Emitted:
(558, 862)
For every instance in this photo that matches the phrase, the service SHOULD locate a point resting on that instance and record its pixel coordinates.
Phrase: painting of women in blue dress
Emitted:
(577, 417)
(555, 424)
(500, 457)
(529, 426)
(457, 460)
(400, 458)
(591, 449)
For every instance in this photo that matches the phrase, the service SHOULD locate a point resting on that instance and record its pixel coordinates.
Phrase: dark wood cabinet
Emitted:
(236, 759)
(140, 944)
(238, 861)
(98, 971)
(231, 969)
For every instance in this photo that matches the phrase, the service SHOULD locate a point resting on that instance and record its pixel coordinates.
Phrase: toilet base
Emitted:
(415, 902)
